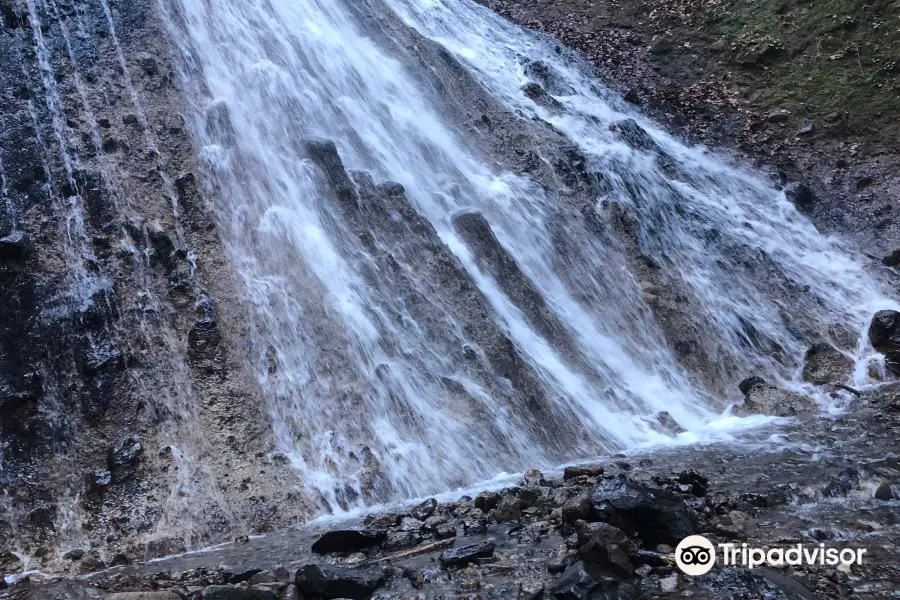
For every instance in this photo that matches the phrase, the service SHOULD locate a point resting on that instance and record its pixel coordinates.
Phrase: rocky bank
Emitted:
(594, 530)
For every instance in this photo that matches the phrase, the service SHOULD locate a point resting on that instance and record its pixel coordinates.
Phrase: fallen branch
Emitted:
(841, 386)
(438, 545)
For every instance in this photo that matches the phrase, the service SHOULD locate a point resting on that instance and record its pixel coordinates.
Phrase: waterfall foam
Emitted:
(405, 348)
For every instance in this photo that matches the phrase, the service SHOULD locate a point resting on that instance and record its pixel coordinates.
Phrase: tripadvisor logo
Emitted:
(696, 555)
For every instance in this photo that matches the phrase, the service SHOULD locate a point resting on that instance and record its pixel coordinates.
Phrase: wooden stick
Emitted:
(438, 545)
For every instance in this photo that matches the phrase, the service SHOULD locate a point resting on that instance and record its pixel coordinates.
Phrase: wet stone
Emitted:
(348, 540)
(573, 471)
(398, 540)
(884, 335)
(464, 555)
(583, 580)
(575, 509)
(888, 490)
(445, 531)
(425, 509)
(509, 509)
(333, 582)
(228, 592)
(533, 477)
(824, 363)
(485, 501)
(539, 96)
(761, 397)
(657, 516)
(698, 485)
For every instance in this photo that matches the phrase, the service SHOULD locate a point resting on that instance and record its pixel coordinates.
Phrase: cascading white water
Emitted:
(366, 396)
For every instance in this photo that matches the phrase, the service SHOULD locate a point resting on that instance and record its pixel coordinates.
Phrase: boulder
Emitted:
(348, 540)
(323, 581)
(584, 580)
(485, 501)
(10, 563)
(609, 556)
(824, 363)
(464, 555)
(575, 509)
(547, 76)
(668, 423)
(761, 397)
(424, 510)
(884, 335)
(888, 490)
(445, 531)
(695, 483)
(573, 471)
(411, 524)
(533, 477)
(398, 540)
(656, 516)
(600, 532)
(509, 509)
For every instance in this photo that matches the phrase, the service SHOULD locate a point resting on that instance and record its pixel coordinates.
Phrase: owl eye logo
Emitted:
(695, 555)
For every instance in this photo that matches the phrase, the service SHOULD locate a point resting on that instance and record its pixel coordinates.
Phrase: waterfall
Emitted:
(423, 311)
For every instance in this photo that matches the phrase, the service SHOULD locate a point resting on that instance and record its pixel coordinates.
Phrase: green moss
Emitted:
(837, 56)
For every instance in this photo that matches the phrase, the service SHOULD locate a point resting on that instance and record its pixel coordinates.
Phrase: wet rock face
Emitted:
(884, 335)
(824, 363)
(764, 398)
